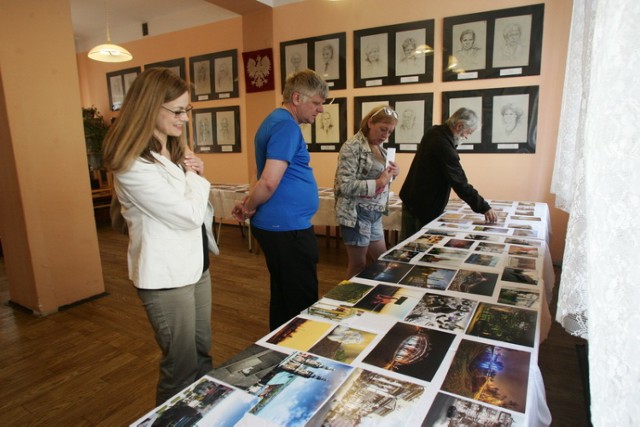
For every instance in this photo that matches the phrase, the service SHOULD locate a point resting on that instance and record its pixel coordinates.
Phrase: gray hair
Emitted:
(306, 82)
(467, 117)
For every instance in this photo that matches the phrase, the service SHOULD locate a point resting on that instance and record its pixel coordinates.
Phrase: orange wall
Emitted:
(497, 176)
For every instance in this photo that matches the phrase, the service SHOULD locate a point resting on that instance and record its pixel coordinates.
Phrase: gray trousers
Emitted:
(181, 320)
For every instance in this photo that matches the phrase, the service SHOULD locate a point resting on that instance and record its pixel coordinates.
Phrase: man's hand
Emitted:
(491, 216)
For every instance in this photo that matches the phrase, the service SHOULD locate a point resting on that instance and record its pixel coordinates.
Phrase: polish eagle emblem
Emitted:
(259, 70)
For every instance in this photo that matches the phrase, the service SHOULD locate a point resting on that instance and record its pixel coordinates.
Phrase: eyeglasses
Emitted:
(178, 113)
(387, 111)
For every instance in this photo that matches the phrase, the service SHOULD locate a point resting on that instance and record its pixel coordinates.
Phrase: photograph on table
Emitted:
(332, 310)
(522, 242)
(427, 277)
(245, 369)
(429, 259)
(299, 333)
(349, 292)
(394, 301)
(394, 54)
(176, 65)
(520, 262)
(385, 271)
(483, 260)
(214, 76)
(520, 275)
(343, 344)
(508, 118)
(401, 255)
(448, 252)
(415, 115)
(416, 246)
(491, 374)
(484, 238)
(529, 251)
(493, 44)
(216, 130)
(494, 248)
(519, 298)
(411, 350)
(325, 54)
(447, 410)
(442, 312)
(370, 399)
(459, 243)
(297, 388)
(474, 282)
(501, 323)
(205, 402)
(118, 83)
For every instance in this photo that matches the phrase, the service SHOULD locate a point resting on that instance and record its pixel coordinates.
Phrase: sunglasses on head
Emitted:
(387, 111)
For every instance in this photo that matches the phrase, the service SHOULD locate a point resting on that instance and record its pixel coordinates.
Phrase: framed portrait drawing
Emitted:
(330, 128)
(175, 65)
(500, 43)
(118, 84)
(394, 55)
(415, 116)
(324, 54)
(508, 118)
(214, 76)
(216, 130)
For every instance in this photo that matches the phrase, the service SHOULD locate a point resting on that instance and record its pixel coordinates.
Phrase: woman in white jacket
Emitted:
(165, 202)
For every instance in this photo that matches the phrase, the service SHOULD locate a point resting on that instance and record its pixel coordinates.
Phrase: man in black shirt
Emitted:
(435, 170)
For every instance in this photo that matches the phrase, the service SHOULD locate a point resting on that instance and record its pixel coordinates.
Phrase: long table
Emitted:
(443, 329)
(225, 196)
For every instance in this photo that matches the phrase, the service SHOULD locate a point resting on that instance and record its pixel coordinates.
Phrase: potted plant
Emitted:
(95, 129)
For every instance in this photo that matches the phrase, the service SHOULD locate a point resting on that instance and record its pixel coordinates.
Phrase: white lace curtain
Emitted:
(597, 181)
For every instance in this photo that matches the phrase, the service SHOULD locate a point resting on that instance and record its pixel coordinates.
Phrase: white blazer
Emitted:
(164, 208)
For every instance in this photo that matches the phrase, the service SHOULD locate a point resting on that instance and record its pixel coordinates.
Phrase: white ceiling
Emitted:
(127, 16)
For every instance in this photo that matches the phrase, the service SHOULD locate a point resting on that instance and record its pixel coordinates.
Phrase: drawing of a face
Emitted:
(467, 40)
(327, 53)
(296, 60)
(373, 53)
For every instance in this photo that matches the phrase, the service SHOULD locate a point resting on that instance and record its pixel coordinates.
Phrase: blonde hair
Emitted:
(377, 115)
(131, 135)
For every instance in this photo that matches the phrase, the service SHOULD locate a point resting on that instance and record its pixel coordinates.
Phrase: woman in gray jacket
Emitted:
(362, 188)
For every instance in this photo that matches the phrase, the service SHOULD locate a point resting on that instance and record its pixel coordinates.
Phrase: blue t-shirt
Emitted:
(295, 201)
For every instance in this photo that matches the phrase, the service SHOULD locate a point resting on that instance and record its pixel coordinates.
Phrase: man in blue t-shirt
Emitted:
(285, 198)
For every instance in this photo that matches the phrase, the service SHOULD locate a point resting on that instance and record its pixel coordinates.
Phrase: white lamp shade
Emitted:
(110, 53)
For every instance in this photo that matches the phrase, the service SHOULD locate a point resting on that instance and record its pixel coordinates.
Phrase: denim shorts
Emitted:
(368, 228)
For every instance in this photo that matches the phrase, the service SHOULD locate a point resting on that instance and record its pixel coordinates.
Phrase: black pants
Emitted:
(292, 258)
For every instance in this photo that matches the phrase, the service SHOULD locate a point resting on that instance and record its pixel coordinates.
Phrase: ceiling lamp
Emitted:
(109, 52)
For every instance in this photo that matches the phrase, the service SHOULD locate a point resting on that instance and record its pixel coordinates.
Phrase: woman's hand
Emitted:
(393, 169)
(193, 163)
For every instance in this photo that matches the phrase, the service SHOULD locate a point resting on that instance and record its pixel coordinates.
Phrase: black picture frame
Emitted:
(329, 131)
(495, 44)
(394, 55)
(214, 76)
(178, 66)
(408, 133)
(508, 116)
(311, 53)
(217, 130)
(118, 83)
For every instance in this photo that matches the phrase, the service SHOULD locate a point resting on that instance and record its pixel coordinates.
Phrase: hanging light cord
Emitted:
(106, 21)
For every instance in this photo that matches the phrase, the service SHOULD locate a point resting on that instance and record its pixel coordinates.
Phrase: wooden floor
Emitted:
(95, 364)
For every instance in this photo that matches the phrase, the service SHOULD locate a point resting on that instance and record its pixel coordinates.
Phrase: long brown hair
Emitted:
(131, 136)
